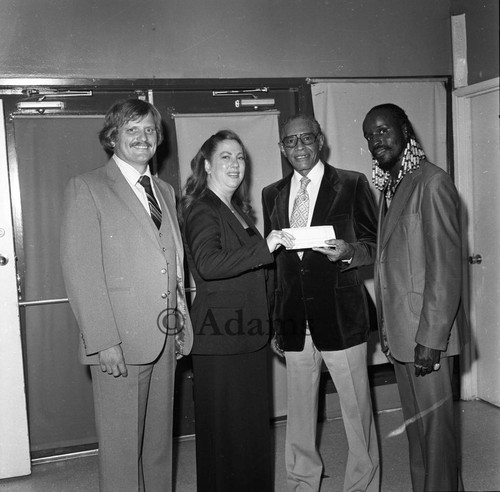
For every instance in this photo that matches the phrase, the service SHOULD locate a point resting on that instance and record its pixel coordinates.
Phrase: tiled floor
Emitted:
(478, 423)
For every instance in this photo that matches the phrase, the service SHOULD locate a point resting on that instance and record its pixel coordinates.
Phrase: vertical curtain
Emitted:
(340, 107)
(260, 135)
(51, 149)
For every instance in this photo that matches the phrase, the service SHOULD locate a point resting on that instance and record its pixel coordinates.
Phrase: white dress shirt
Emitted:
(315, 175)
(132, 176)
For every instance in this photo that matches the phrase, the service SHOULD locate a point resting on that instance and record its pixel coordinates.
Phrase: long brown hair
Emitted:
(196, 185)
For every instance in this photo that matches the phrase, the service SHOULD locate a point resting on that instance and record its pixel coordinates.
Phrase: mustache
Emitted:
(137, 144)
(378, 151)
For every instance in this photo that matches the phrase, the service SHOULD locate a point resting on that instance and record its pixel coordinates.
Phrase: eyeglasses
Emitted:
(306, 138)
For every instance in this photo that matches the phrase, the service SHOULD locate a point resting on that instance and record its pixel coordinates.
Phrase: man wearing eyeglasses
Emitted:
(320, 306)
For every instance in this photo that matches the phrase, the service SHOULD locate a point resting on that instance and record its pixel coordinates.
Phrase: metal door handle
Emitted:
(475, 259)
(3, 260)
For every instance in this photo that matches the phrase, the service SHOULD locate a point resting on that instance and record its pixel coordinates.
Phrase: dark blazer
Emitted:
(418, 270)
(229, 312)
(330, 296)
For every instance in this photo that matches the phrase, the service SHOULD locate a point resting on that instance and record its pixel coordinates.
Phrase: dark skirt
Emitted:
(232, 422)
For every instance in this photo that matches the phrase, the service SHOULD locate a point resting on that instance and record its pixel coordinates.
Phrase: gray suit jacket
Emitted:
(418, 269)
(121, 273)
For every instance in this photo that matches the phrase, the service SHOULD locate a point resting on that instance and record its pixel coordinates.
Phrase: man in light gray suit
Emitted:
(418, 274)
(122, 257)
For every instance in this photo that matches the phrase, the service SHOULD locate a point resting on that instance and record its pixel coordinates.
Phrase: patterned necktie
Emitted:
(153, 204)
(300, 211)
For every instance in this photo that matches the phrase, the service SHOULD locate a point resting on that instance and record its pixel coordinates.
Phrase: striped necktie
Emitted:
(154, 208)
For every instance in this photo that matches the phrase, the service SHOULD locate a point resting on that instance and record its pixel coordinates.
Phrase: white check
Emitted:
(311, 237)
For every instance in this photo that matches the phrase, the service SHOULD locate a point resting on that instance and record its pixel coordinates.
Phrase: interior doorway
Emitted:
(477, 149)
(45, 148)
(50, 149)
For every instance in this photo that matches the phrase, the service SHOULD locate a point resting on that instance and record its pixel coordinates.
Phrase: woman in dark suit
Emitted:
(226, 256)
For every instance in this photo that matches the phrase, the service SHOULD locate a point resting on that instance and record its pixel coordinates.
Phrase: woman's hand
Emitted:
(275, 239)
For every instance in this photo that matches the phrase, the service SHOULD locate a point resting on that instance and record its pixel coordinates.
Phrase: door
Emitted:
(49, 150)
(43, 150)
(14, 443)
(477, 148)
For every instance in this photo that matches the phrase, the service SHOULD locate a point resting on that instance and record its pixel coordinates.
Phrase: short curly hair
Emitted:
(302, 116)
(399, 115)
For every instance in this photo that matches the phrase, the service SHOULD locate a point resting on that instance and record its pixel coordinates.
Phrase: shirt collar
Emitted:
(131, 173)
(315, 174)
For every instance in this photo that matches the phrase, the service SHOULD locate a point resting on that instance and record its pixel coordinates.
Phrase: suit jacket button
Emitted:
(164, 271)
(164, 295)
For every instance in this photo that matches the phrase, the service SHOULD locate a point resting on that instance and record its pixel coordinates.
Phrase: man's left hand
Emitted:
(426, 360)
(336, 250)
(276, 348)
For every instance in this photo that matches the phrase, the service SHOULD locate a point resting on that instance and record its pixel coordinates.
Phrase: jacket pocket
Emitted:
(415, 303)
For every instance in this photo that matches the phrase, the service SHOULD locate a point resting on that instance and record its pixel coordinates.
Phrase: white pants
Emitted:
(348, 369)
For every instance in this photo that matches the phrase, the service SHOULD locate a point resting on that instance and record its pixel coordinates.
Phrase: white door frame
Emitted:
(462, 130)
(14, 441)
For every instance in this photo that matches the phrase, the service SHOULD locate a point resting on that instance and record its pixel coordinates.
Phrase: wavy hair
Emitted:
(122, 112)
(196, 184)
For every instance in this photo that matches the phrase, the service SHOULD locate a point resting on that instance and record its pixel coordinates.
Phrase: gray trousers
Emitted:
(427, 404)
(134, 425)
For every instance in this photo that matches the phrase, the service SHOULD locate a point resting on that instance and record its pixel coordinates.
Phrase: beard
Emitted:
(387, 164)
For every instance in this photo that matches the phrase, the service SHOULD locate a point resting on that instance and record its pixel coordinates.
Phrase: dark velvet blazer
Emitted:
(229, 313)
(329, 295)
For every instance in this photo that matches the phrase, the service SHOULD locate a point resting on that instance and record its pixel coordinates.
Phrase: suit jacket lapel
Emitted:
(281, 203)
(231, 220)
(398, 204)
(280, 216)
(327, 193)
(121, 187)
(234, 223)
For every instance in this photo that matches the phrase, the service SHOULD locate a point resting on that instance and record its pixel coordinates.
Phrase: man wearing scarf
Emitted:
(418, 288)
